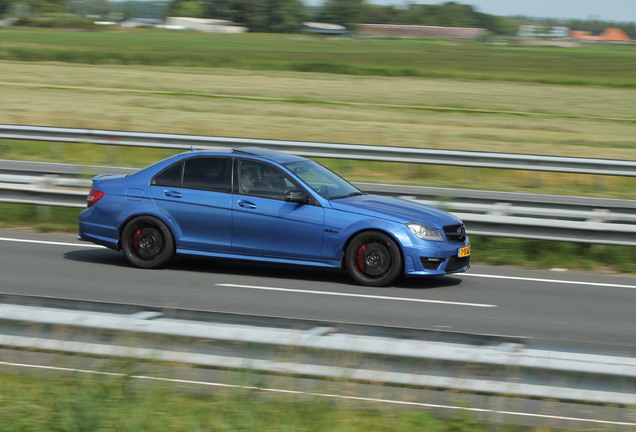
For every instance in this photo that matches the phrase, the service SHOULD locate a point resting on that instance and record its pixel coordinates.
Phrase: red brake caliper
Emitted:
(136, 239)
(361, 260)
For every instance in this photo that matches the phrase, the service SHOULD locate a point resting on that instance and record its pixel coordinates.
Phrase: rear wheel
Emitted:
(373, 259)
(147, 242)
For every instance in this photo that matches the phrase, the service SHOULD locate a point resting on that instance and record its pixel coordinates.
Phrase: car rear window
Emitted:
(170, 177)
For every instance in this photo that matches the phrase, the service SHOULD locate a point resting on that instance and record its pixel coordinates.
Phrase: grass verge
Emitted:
(99, 403)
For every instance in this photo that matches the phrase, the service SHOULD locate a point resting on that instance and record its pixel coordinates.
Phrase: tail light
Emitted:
(93, 196)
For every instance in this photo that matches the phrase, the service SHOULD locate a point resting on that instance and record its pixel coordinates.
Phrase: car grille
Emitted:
(455, 263)
(431, 263)
(455, 233)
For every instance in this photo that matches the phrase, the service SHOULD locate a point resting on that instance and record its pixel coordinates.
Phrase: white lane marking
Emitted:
(322, 395)
(367, 296)
(88, 245)
(557, 281)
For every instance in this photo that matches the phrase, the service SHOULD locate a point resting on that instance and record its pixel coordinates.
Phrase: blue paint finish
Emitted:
(210, 214)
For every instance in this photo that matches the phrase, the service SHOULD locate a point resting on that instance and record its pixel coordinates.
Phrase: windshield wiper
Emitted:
(348, 195)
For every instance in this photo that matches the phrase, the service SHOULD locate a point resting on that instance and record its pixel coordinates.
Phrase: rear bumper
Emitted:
(93, 236)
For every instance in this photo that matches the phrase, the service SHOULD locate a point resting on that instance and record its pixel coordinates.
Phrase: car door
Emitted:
(264, 224)
(195, 195)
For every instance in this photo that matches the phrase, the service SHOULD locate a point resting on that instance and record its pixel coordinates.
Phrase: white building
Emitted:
(203, 24)
(533, 31)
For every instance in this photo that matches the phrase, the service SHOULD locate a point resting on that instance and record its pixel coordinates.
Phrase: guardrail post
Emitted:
(57, 150)
(42, 213)
(410, 171)
(600, 183)
(112, 151)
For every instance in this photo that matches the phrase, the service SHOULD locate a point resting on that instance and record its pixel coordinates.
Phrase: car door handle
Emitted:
(246, 204)
(171, 193)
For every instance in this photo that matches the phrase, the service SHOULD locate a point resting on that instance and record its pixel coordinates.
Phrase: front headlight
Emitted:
(425, 232)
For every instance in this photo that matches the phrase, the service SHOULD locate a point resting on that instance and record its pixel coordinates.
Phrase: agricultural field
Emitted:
(417, 93)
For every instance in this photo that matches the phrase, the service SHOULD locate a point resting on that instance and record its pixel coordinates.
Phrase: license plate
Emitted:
(463, 252)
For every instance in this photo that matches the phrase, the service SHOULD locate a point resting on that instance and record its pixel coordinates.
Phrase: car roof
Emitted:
(273, 155)
(258, 152)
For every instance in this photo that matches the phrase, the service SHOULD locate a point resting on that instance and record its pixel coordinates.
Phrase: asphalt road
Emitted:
(557, 305)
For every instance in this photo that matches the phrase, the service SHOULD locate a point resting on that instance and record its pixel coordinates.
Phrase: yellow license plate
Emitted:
(464, 252)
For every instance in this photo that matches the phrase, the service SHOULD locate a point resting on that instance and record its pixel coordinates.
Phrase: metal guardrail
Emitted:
(463, 200)
(412, 358)
(486, 213)
(327, 150)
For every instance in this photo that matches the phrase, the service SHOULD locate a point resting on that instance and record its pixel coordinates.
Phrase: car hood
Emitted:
(395, 209)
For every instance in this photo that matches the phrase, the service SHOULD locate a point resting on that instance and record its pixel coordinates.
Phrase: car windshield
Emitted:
(325, 182)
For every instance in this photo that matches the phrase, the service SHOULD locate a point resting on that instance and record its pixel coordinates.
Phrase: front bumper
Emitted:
(440, 259)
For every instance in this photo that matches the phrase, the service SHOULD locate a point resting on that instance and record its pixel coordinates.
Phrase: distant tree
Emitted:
(285, 16)
(43, 6)
(239, 10)
(453, 14)
(344, 12)
(450, 14)
(256, 16)
(187, 8)
(270, 16)
(4, 7)
(94, 7)
(375, 14)
(497, 25)
(217, 9)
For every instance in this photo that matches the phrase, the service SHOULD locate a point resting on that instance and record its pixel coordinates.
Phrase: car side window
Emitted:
(263, 180)
(207, 173)
(170, 177)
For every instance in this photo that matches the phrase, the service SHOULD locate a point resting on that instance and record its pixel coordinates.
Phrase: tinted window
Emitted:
(207, 173)
(170, 177)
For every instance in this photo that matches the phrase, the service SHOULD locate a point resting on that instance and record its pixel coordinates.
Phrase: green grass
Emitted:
(39, 218)
(73, 402)
(593, 65)
(541, 254)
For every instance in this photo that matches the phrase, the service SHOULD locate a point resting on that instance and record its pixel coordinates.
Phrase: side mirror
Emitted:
(297, 196)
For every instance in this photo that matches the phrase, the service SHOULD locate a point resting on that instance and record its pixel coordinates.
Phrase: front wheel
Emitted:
(373, 259)
(147, 242)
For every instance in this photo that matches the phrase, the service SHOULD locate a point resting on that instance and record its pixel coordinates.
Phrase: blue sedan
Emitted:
(262, 205)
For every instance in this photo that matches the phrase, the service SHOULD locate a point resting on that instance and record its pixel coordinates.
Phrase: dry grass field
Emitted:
(418, 112)
(440, 113)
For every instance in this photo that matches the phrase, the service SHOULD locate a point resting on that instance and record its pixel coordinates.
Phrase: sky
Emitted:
(603, 10)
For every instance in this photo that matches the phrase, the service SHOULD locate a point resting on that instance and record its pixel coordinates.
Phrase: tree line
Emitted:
(287, 16)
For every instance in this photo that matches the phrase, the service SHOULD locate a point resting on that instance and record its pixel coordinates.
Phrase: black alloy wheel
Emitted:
(147, 242)
(373, 259)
